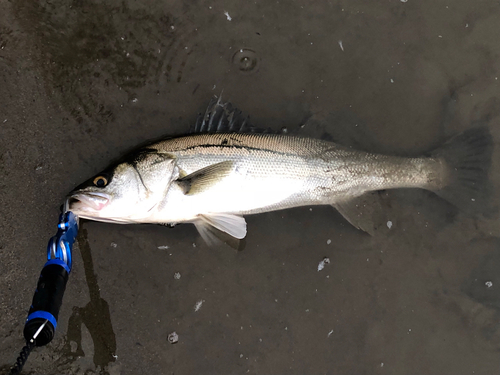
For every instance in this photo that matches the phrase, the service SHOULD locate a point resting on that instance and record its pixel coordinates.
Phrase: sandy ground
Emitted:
(83, 81)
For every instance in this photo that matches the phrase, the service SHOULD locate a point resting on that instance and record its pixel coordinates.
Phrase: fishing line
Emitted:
(25, 352)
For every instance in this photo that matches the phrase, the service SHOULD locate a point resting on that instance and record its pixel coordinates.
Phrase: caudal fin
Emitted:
(468, 159)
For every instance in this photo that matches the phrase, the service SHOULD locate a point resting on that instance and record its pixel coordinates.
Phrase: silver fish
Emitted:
(215, 178)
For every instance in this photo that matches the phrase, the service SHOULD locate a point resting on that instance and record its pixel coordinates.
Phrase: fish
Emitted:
(226, 169)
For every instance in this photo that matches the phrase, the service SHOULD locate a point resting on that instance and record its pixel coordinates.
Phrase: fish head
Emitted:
(127, 192)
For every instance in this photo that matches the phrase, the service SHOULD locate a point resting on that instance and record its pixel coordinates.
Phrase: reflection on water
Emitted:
(107, 46)
(95, 316)
(246, 60)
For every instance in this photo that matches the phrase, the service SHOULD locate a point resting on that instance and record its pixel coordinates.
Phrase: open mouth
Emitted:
(88, 202)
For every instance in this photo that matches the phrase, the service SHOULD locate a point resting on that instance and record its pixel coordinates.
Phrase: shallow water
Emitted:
(82, 82)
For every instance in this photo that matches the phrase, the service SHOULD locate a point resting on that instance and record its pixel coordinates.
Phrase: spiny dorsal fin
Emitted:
(222, 117)
(204, 178)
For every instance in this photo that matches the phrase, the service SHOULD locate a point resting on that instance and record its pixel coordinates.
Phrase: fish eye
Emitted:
(100, 181)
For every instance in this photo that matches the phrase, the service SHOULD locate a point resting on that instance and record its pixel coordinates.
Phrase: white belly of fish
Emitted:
(251, 186)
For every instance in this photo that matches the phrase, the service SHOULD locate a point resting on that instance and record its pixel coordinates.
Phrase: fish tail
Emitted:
(467, 159)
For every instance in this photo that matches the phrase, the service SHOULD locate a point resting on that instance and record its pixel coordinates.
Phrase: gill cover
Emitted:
(127, 191)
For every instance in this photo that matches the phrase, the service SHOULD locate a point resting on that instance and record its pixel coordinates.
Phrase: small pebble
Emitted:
(321, 264)
(177, 275)
(173, 338)
(198, 304)
(488, 284)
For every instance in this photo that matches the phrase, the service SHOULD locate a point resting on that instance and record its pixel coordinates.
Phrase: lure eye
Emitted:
(100, 181)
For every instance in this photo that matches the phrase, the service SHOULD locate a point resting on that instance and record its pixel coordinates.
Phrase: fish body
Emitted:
(273, 172)
(213, 179)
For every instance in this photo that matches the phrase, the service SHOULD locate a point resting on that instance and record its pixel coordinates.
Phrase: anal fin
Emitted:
(364, 212)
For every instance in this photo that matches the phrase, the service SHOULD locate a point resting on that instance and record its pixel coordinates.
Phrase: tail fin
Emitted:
(468, 157)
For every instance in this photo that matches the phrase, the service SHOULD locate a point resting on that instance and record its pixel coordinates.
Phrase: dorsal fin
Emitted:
(222, 117)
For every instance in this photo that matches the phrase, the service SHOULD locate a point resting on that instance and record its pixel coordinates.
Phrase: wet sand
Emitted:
(82, 82)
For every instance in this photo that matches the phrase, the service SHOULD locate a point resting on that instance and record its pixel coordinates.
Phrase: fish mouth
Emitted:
(87, 202)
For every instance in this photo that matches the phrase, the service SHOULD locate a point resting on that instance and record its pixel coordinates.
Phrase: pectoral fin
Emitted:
(364, 212)
(204, 178)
